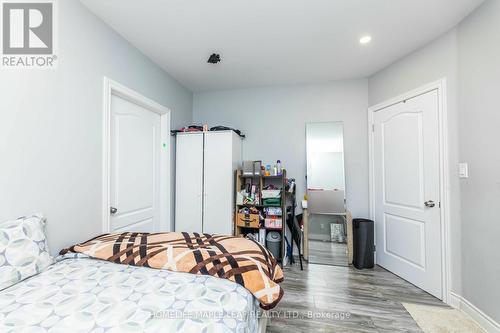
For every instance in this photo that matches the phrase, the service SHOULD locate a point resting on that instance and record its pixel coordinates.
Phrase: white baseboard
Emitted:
(485, 321)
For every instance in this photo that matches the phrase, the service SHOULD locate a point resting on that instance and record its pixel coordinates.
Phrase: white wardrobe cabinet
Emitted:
(189, 182)
(205, 166)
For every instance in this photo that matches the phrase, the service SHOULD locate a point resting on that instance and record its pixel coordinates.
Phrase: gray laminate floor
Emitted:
(327, 253)
(345, 300)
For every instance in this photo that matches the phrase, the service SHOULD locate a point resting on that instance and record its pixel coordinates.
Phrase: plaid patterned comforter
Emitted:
(236, 259)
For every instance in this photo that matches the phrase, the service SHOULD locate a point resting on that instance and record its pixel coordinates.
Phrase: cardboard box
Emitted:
(248, 220)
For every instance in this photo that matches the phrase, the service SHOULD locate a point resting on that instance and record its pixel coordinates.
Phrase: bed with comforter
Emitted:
(81, 294)
(134, 282)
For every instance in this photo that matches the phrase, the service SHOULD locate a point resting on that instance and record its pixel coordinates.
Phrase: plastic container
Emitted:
(363, 243)
(273, 243)
(273, 222)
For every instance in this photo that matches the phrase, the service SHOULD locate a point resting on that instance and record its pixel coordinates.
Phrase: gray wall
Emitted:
(479, 91)
(51, 125)
(274, 120)
(437, 60)
(469, 57)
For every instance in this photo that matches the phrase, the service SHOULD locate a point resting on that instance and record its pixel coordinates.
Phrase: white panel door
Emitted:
(406, 171)
(135, 167)
(219, 174)
(189, 182)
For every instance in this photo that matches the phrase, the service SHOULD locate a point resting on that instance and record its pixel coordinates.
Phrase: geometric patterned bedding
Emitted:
(240, 260)
(79, 294)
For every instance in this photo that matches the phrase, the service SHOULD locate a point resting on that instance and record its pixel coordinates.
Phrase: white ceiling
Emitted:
(271, 42)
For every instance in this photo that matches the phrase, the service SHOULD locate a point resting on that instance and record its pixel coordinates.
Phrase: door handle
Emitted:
(113, 210)
(430, 204)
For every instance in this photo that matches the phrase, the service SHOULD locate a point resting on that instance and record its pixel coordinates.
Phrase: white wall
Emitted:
(51, 125)
(274, 120)
(479, 91)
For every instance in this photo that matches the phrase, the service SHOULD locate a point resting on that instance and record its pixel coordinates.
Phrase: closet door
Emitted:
(189, 182)
(219, 174)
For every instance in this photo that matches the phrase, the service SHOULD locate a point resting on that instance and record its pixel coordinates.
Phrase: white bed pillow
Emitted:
(23, 249)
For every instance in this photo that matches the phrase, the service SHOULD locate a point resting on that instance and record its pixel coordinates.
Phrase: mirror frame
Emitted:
(343, 152)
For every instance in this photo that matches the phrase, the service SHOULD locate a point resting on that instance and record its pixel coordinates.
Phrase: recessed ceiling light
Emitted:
(365, 39)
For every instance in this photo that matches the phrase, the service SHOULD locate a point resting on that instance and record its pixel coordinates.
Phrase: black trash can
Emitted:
(363, 243)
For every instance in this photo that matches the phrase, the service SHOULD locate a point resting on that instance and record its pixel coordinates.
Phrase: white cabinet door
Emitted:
(219, 188)
(406, 170)
(135, 167)
(189, 182)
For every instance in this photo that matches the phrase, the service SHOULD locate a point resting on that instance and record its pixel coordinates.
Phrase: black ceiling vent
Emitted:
(214, 58)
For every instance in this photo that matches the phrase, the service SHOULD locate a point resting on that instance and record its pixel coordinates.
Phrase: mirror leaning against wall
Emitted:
(327, 236)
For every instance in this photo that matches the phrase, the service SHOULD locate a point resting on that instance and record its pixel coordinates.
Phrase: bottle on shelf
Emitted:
(268, 170)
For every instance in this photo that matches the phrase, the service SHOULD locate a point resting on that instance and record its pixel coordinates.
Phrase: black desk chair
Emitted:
(294, 227)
